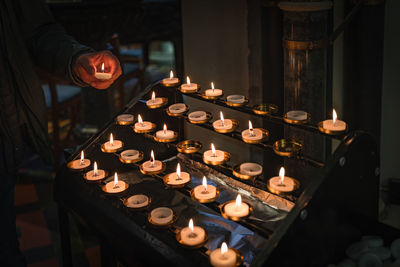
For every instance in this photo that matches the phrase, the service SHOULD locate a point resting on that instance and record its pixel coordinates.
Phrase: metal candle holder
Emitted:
(227, 156)
(179, 239)
(265, 134)
(189, 146)
(192, 195)
(177, 114)
(237, 104)
(265, 109)
(185, 91)
(163, 167)
(287, 147)
(278, 192)
(104, 189)
(234, 218)
(153, 127)
(235, 124)
(236, 172)
(125, 202)
(174, 219)
(160, 140)
(286, 119)
(164, 101)
(330, 132)
(207, 97)
(138, 159)
(166, 180)
(208, 118)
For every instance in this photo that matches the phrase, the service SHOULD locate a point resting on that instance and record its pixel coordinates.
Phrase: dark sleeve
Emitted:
(49, 46)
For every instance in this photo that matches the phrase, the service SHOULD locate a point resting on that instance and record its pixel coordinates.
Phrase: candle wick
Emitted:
(116, 186)
(251, 132)
(222, 123)
(178, 177)
(204, 191)
(192, 235)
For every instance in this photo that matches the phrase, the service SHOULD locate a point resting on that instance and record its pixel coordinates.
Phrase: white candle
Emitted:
(192, 235)
(165, 134)
(102, 75)
(282, 183)
(154, 100)
(162, 216)
(115, 186)
(171, 79)
(237, 99)
(188, 86)
(251, 169)
(143, 125)
(177, 108)
(112, 144)
(205, 191)
(213, 154)
(334, 124)
(252, 134)
(213, 91)
(125, 118)
(237, 208)
(222, 124)
(130, 154)
(138, 201)
(296, 115)
(95, 174)
(198, 116)
(79, 164)
(152, 164)
(178, 177)
(223, 257)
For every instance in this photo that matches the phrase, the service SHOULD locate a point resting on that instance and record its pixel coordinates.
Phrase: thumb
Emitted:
(90, 68)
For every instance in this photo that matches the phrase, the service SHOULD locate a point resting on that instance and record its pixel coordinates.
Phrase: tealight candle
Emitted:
(95, 174)
(116, 186)
(112, 145)
(177, 108)
(171, 80)
(251, 169)
(237, 209)
(205, 191)
(252, 134)
(197, 116)
(165, 134)
(79, 164)
(213, 92)
(130, 155)
(125, 119)
(222, 124)
(192, 235)
(143, 125)
(223, 257)
(237, 99)
(334, 125)
(152, 165)
(297, 115)
(137, 201)
(154, 100)
(214, 155)
(177, 178)
(102, 75)
(161, 216)
(189, 87)
(281, 183)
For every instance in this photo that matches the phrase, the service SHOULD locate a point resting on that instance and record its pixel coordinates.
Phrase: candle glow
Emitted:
(165, 128)
(171, 74)
(251, 130)
(212, 86)
(178, 171)
(204, 183)
(102, 67)
(191, 227)
(95, 171)
(82, 158)
(152, 159)
(153, 96)
(222, 118)
(238, 201)
(224, 249)
(111, 139)
(187, 80)
(214, 153)
(115, 180)
(334, 117)
(282, 174)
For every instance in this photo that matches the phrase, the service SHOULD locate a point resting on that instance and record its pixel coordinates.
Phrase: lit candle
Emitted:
(103, 75)
(115, 186)
(237, 209)
(161, 216)
(171, 80)
(154, 100)
(297, 115)
(334, 125)
(165, 134)
(222, 124)
(192, 235)
(251, 169)
(237, 99)
(198, 116)
(95, 174)
(213, 154)
(213, 92)
(125, 119)
(178, 177)
(177, 108)
(281, 183)
(152, 164)
(252, 134)
(143, 125)
(137, 201)
(112, 145)
(189, 87)
(205, 191)
(223, 257)
(79, 164)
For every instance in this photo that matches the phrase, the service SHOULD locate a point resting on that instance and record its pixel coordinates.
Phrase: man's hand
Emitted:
(86, 66)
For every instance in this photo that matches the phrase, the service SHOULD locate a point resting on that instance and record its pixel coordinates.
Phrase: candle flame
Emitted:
(153, 96)
(334, 117)
(214, 153)
(238, 200)
(221, 116)
(152, 159)
(102, 67)
(282, 174)
(204, 183)
(82, 157)
(224, 248)
(115, 179)
(95, 171)
(250, 126)
(140, 119)
(212, 85)
(178, 170)
(187, 80)
(171, 74)
(191, 227)
(111, 139)
(165, 127)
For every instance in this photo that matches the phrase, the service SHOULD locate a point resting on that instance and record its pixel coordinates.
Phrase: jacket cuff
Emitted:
(71, 73)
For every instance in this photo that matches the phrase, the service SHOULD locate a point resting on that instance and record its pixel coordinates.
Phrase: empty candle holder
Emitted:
(247, 170)
(177, 109)
(137, 202)
(236, 101)
(189, 146)
(287, 147)
(124, 119)
(236, 210)
(265, 109)
(297, 117)
(131, 156)
(162, 217)
(199, 117)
